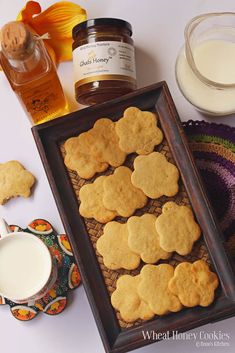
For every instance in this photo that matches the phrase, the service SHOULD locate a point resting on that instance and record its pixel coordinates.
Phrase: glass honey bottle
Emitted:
(31, 73)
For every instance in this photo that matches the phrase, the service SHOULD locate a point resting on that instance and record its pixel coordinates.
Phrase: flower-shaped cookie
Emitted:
(113, 246)
(153, 289)
(126, 300)
(102, 143)
(155, 176)
(91, 206)
(138, 132)
(15, 180)
(143, 238)
(194, 284)
(177, 228)
(121, 195)
(78, 159)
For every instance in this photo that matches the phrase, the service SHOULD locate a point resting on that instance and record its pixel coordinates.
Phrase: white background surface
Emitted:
(158, 34)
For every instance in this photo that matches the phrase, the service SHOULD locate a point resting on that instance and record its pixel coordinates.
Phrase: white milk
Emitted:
(215, 59)
(25, 266)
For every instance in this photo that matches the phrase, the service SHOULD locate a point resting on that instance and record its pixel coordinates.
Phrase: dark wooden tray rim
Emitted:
(48, 137)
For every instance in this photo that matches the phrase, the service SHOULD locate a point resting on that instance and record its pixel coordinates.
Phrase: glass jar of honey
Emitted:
(103, 59)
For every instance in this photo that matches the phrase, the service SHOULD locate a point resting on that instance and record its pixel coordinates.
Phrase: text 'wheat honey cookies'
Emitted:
(177, 228)
(15, 181)
(143, 238)
(155, 176)
(153, 289)
(126, 300)
(121, 195)
(102, 143)
(113, 246)
(194, 283)
(91, 198)
(138, 132)
(77, 158)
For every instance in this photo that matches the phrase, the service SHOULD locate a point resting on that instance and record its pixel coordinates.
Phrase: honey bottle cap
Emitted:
(17, 42)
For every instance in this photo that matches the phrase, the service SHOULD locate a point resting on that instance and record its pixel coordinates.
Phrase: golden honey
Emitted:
(31, 73)
(103, 59)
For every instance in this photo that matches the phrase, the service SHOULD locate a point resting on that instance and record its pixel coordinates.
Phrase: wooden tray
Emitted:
(99, 282)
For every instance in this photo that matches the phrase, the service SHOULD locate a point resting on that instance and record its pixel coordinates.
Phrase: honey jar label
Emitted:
(105, 60)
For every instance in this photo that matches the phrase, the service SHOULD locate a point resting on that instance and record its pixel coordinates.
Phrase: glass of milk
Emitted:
(27, 270)
(205, 67)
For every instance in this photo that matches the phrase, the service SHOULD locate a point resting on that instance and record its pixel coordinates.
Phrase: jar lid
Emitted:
(116, 22)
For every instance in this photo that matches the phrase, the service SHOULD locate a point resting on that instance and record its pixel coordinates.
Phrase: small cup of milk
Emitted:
(205, 67)
(27, 270)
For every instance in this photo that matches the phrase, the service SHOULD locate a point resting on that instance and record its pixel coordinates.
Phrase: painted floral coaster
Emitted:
(54, 302)
(213, 147)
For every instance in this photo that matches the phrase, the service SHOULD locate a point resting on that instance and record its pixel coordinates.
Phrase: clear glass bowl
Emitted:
(205, 67)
